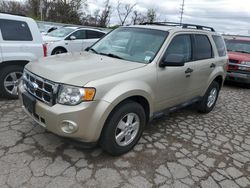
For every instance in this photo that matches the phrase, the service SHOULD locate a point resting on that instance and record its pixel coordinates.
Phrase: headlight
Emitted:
(245, 63)
(71, 95)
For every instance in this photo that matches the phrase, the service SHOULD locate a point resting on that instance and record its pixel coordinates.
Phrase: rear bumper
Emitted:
(238, 77)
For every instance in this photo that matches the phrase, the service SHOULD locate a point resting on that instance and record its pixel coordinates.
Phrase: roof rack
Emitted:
(183, 25)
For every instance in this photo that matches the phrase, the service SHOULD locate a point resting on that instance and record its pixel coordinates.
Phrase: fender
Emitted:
(219, 71)
(128, 89)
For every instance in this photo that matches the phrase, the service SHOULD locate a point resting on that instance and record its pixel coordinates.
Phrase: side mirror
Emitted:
(72, 37)
(174, 60)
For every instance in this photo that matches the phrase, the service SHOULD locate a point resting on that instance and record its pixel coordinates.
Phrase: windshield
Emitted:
(132, 44)
(61, 32)
(238, 46)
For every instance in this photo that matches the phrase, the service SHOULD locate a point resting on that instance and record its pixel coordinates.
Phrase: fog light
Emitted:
(69, 127)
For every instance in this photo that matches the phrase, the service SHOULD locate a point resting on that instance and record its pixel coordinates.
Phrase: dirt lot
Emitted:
(186, 149)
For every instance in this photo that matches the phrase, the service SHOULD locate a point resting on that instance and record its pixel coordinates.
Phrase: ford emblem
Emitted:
(33, 86)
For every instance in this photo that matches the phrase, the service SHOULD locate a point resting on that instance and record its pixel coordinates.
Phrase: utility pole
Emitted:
(182, 10)
(41, 7)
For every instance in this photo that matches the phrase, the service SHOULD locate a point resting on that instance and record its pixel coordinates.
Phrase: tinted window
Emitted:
(80, 34)
(15, 30)
(180, 45)
(94, 34)
(203, 47)
(220, 45)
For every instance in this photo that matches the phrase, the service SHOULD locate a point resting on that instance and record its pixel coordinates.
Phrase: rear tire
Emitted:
(9, 79)
(208, 101)
(126, 121)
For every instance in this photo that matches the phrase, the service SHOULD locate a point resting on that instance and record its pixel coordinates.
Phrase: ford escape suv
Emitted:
(109, 93)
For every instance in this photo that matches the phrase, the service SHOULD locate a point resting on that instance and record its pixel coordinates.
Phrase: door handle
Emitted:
(212, 65)
(189, 70)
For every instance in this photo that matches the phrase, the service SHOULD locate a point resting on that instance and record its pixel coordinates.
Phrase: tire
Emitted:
(111, 129)
(208, 101)
(58, 51)
(9, 78)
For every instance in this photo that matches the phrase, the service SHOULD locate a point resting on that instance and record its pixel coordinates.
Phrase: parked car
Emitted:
(71, 39)
(20, 43)
(239, 60)
(108, 94)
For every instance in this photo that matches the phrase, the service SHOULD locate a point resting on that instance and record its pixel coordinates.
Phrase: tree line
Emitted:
(75, 12)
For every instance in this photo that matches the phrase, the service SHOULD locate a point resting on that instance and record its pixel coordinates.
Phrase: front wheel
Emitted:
(9, 80)
(123, 128)
(208, 101)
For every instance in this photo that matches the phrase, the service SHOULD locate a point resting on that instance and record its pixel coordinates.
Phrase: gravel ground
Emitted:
(185, 149)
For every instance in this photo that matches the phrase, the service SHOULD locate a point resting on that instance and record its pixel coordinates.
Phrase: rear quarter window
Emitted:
(203, 48)
(13, 30)
(220, 45)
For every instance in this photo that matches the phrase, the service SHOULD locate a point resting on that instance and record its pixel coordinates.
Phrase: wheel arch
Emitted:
(21, 63)
(58, 47)
(219, 80)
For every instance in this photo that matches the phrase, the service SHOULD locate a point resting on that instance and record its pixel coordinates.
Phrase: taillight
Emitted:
(44, 50)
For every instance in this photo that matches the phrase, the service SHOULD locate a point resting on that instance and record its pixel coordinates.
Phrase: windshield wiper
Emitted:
(242, 51)
(111, 55)
(93, 50)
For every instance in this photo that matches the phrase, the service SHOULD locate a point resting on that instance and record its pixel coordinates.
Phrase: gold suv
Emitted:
(108, 93)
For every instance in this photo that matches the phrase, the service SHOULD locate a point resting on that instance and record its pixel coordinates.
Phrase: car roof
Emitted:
(14, 17)
(240, 38)
(87, 27)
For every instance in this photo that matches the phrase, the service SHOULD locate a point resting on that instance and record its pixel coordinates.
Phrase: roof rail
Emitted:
(14, 14)
(183, 25)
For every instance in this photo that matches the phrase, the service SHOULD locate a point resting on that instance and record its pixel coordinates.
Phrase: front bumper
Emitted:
(238, 77)
(89, 116)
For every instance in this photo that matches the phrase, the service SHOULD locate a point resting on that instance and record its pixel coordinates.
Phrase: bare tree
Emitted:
(124, 10)
(151, 15)
(12, 7)
(138, 17)
(105, 15)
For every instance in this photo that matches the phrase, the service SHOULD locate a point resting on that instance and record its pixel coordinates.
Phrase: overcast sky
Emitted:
(226, 16)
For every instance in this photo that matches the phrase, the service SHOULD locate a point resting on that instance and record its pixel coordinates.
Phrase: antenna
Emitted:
(182, 10)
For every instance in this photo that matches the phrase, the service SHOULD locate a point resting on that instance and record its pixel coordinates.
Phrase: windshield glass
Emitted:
(132, 44)
(61, 32)
(238, 46)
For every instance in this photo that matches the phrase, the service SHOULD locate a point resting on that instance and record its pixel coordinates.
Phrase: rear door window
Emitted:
(13, 30)
(220, 45)
(203, 47)
(94, 34)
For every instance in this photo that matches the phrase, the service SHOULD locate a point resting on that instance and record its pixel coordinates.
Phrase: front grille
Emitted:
(40, 88)
(233, 64)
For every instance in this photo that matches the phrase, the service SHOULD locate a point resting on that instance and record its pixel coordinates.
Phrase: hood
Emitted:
(239, 56)
(79, 68)
(47, 38)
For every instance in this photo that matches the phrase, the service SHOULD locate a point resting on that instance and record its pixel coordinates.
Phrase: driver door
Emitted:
(175, 82)
(75, 41)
